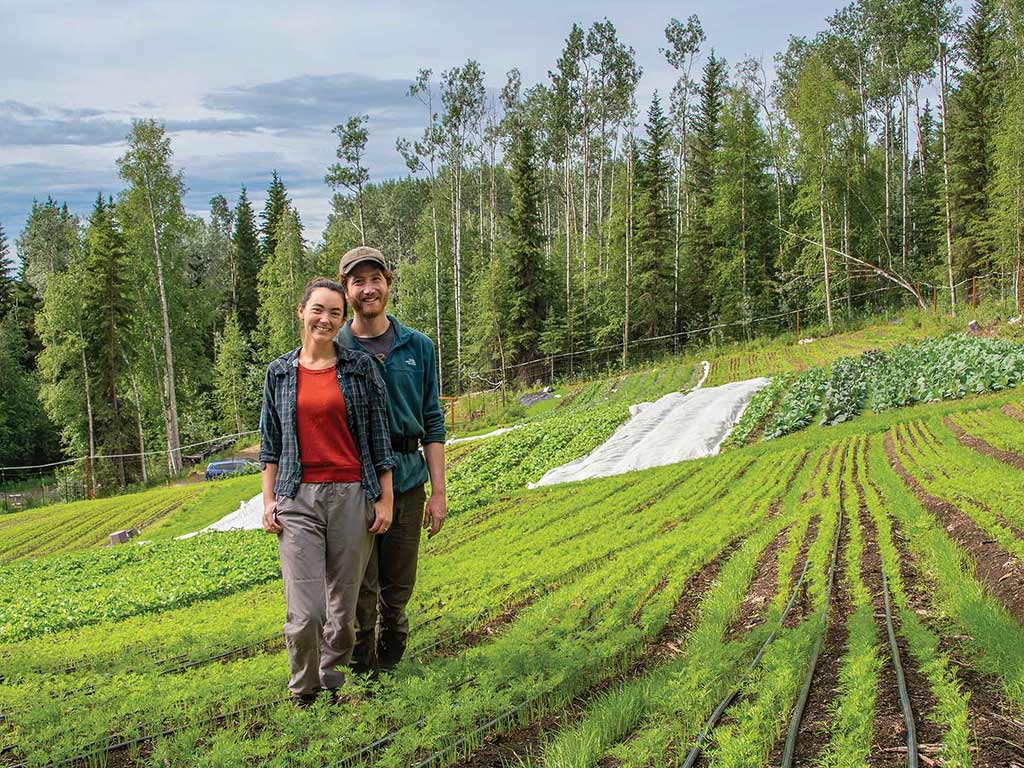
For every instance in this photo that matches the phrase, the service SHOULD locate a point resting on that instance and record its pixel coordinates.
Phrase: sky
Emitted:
(246, 88)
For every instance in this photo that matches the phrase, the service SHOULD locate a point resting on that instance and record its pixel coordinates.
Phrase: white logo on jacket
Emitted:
(411, 362)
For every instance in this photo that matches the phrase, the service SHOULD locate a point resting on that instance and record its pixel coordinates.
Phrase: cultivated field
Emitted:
(848, 595)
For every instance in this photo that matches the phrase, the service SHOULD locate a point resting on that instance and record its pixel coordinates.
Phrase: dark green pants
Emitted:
(382, 626)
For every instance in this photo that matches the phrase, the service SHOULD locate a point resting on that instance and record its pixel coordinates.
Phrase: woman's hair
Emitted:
(324, 282)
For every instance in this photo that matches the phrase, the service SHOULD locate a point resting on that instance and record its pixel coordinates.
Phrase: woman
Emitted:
(326, 454)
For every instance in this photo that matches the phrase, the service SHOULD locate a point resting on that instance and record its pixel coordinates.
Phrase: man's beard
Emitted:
(373, 311)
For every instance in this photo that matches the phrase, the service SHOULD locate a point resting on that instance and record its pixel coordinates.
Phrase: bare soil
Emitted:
(999, 572)
(890, 731)
(802, 605)
(1014, 412)
(761, 590)
(979, 445)
(813, 734)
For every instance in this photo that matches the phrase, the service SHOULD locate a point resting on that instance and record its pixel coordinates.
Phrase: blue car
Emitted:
(230, 467)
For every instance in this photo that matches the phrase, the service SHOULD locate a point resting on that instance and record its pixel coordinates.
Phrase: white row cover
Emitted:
(248, 517)
(677, 427)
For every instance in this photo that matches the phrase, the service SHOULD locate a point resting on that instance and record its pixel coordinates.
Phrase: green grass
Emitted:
(216, 499)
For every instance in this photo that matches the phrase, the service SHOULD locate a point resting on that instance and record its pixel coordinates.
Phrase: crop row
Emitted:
(654, 719)
(994, 427)
(507, 462)
(794, 358)
(118, 582)
(632, 558)
(78, 525)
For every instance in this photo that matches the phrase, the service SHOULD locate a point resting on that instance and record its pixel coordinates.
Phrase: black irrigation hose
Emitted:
(901, 682)
(269, 644)
(801, 704)
(695, 751)
(108, 749)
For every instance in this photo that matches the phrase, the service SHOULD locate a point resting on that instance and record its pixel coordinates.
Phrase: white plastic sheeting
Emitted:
(248, 517)
(676, 428)
(499, 431)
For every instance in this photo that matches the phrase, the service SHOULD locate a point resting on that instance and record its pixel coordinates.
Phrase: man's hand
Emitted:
(270, 522)
(434, 513)
(383, 512)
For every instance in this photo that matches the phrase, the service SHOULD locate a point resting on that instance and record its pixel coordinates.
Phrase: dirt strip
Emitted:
(761, 590)
(814, 733)
(979, 445)
(890, 731)
(1014, 412)
(527, 740)
(802, 605)
(999, 572)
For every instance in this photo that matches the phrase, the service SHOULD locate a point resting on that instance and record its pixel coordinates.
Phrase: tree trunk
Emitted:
(629, 255)
(90, 476)
(824, 244)
(945, 172)
(138, 416)
(437, 280)
(904, 177)
(678, 233)
(568, 256)
(888, 173)
(173, 440)
(457, 237)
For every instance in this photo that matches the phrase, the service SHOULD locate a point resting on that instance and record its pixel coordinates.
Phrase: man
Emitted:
(408, 366)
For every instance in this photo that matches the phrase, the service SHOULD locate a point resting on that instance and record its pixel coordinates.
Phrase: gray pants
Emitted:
(388, 584)
(324, 549)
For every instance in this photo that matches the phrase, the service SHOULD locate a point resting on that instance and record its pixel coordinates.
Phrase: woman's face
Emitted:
(323, 315)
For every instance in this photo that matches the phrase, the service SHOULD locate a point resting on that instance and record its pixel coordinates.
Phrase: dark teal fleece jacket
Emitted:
(410, 373)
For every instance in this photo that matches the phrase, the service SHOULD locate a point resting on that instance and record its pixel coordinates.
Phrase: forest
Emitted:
(878, 163)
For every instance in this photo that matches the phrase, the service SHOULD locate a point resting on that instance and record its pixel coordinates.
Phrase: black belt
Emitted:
(403, 444)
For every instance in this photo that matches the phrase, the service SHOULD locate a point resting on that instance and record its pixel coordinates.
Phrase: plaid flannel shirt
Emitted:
(367, 415)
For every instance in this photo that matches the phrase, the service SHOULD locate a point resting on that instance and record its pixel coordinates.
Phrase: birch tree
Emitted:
(154, 208)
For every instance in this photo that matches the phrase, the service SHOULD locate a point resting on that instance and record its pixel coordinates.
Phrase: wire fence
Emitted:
(487, 393)
(100, 474)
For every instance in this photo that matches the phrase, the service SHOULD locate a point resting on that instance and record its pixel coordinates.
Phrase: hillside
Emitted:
(590, 623)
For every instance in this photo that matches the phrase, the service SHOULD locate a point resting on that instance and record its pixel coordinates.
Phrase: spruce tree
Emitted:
(231, 393)
(526, 284)
(106, 310)
(277, 201)
(280, 285)
(653, 241)
(706, 143)
(6, 276)
(974, 117)
(247, 250)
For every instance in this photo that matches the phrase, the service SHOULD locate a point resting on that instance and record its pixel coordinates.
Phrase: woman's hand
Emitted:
(270, 522)
(382, 515)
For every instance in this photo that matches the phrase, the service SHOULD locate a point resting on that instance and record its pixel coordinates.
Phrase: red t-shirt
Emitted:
(326, 448)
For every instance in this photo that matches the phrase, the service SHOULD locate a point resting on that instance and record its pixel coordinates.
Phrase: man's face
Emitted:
(367, 290)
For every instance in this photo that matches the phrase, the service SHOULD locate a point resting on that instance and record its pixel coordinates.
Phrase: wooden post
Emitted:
(919, 297)
(1020, 285)
(935, 300)
(798, 325)
(974, 293)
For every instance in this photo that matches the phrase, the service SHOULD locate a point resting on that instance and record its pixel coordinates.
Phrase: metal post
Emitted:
(798, 325)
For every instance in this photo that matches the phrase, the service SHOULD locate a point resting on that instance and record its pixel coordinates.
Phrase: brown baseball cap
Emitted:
(359, 254)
